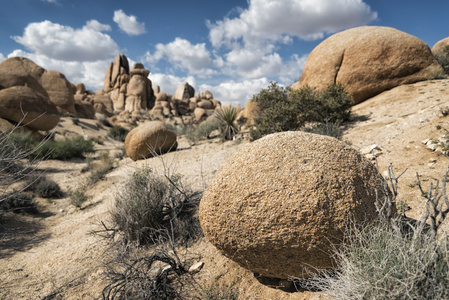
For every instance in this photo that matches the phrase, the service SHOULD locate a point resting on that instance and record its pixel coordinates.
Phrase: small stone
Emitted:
(375, 147)
(195, 268)
(432, 160)
(61, 210)
(155, 272)
(166, 268)
(432, 146)
(423, 120)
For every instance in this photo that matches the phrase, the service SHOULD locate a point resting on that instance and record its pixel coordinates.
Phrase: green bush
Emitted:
(284, 109)
(44, 187)
(227, 117)
(101, 169)
(18, 202)
(118, 133)
(78, 196)
(61, 150)
(202, 131)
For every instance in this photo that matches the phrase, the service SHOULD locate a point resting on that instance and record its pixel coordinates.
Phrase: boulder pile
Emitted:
(276, 206)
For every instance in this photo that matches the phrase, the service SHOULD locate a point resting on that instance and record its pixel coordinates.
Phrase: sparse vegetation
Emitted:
(443, 60)
(101, 169)
(118, 133)
(227, 117)
(51, 149)
(202, 131)
(44, 187)
(78, 196)
(283, 109)
(18, 202)
(398, 257)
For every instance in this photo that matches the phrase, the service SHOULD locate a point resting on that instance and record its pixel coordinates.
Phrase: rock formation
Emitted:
(21, 104)
(441, 52)
(59, 90)
(276, 206)
(368, 60)
(129, 90)
(149, 139)
(184, 91)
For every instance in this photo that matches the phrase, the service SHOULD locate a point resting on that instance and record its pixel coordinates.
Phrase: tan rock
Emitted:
(368, 60)
(206, 104)
(276, 206)
(6, 126)
(184, 91)
(59, 90)
(441, 52)
(207, 95)
(161, 97)
(22, 64)
(25, 105)
(200, 114)
(80, 88)
(250, 112)
(149, 139)
(84, 109)
(12, 77)
(105, 101)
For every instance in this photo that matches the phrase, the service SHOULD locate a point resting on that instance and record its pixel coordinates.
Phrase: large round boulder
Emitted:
(12, 77)
(59, 90)
(24, 65)
(24, 105)
(277, 206)
(441, 52)
(368, 60)
(150, 139)
(184, 91)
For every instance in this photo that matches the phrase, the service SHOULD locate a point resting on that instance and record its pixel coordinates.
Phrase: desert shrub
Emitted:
(44, 187)
(150, 203)
(218, 291)
(443, 60)
(118, 133)
(284, 109)
(396, 257)
(326, 128)
(78, 196)
(51, 149)
(227, 116)
(18, 202)
(202, 131)
(101, 169)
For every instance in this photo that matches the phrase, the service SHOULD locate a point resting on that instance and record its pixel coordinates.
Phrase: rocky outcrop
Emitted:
(184, 91)
(59, 90)
(441, 52)
(23, 105)
(129, 90)
(149, 139)
(278, 205)
(12, 77)
(24, 65)
(368, 60)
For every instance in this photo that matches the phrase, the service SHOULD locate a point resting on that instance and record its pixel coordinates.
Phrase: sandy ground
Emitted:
(51, 255)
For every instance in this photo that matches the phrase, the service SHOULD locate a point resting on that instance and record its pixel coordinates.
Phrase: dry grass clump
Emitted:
(397, 257)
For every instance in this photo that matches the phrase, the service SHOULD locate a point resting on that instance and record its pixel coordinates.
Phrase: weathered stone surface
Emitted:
(84, 109)
(105, 101)
(184, 91)
(149, 139)
(206, 104)
(276, 206)
(10, 78)
(24, 65)
(200, 114)
(59, 90)
(80, 89)
(207, 95)
(368, 60)
(161, 97)
(441, 52)
(25, 105)
(250, 112)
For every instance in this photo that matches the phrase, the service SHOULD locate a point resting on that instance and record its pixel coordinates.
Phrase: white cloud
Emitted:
(169, 83)
(254, 64)
(183, 55)
(2, 58)
(97, 26)
(51, 1)
(128, 24)
(236, 92)
(305, 19)
(67, 44)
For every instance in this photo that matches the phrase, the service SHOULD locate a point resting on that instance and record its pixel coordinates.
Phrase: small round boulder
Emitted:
(277, 206)
(150, 139)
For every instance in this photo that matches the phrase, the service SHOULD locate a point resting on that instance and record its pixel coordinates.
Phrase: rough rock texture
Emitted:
(10, 78)
(148, 139)
(23, 104)
(250, 112)
(23, 64)
(59, 90)
(184, 91)
(275, 206)
(207, 95)
(441, 52)
(368, 60)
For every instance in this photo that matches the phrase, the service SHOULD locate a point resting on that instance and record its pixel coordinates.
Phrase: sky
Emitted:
(233, 48)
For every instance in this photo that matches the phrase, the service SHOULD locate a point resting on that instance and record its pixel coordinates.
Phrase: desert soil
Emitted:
(52, 255)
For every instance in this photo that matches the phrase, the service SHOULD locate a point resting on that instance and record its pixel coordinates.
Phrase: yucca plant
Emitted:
(227, 116)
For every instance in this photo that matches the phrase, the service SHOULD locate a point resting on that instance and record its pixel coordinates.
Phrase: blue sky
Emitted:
(233, 48)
